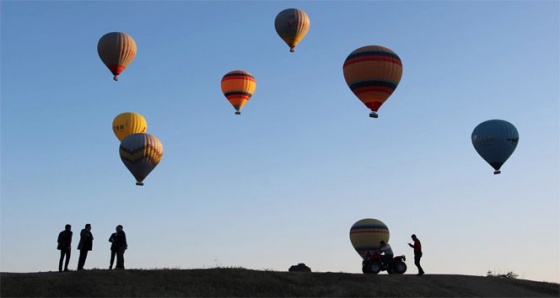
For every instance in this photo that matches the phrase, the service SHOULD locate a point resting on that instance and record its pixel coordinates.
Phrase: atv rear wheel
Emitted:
(399, 267)
(365, 269)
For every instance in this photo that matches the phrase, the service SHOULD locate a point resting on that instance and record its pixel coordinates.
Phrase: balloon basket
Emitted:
(139, 183)
(238, 113)
(373, 115)
(497, 172)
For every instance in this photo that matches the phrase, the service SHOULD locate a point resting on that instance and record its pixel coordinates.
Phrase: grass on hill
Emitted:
(239, 282)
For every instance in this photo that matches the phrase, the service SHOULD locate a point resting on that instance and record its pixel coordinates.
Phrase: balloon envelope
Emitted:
(238, 86)
(495, 140)
(140, 153)
(117, 50)
(366, 233)
(292, 25)
(128, 123)
(372, 73)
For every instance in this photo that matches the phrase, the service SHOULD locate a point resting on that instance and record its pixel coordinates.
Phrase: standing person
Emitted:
(114, 250)
(417, 253)
(85, 245)
(64, 243)
(387, 251)
(121, 246)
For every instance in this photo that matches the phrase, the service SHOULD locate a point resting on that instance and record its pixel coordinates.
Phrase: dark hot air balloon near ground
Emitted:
(128, 123)
(292, 25)
(238, 86)
(366, 233)
(495, 140)
(372, 73)
(140, 153)
(117, 50)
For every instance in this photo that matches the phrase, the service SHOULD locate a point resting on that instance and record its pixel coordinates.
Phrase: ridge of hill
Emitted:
(239, 282)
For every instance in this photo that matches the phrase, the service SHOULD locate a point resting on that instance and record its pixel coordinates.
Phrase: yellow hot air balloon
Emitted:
(238, 86)
(366, 234)
(117, 50)
(292, 25)
(373, 73)
(141, 153)
(128, 123)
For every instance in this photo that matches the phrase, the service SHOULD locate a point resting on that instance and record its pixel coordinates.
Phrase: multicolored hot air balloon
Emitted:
(140, 153)
(292, 25)
(495, 140)
(238, 86)
(366, 233)
(372, 73)
(116, 50)
(129, 123)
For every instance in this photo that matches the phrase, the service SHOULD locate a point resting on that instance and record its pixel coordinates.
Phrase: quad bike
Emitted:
(372, 263)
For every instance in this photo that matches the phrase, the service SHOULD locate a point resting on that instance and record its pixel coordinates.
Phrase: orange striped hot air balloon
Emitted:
(372, 73)
(292, 25)
(141, 153)
(366, 234)
(116, 50)
(238, 86)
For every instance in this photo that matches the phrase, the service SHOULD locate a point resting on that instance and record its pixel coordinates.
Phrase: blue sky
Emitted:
(283, 182)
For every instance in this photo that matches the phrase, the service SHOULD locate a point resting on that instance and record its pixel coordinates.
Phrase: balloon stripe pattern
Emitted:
(366, 234)
(141, 153)
(292, 25)
(128, 123)
(117, 50)
(372, 73)
(495, 141)
(238, 86)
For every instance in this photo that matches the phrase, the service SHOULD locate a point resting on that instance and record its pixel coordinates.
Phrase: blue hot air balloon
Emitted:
(495, 140)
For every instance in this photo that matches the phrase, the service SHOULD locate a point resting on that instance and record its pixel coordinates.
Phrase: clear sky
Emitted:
(283, 182)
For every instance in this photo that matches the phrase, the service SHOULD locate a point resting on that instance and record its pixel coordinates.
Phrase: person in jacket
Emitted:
(85, 245)
(386, 253)
(64, 245)
(121, 246)
(417, 253)
(114, 250)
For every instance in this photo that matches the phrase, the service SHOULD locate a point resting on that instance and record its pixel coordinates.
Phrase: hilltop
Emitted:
(239, 282)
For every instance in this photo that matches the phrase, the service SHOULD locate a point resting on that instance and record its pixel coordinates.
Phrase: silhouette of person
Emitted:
(417, 253)
(64, 243)
(121, 246)
(114, 249)
(85, 245)
(387, 256)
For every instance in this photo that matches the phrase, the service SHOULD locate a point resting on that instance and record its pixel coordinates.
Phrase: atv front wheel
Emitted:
(374, 267)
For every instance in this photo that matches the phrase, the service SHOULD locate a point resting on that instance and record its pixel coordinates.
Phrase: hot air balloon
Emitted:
(140, 153)
(128, 123)
(116, 50)
(292, 25)
(366, 233)
(495, 140)
(372, 73)
(238, 86)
